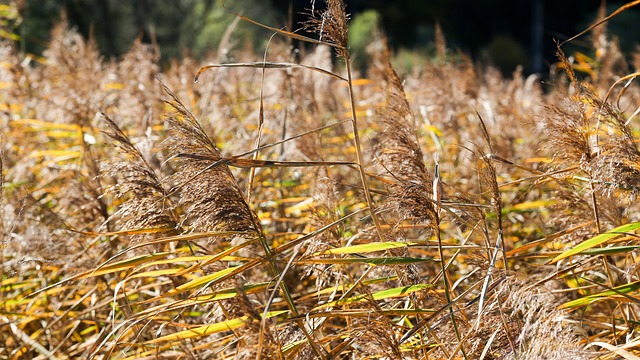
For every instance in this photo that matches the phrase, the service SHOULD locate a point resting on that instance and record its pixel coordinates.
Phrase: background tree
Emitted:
(197, 25)
(503, 32)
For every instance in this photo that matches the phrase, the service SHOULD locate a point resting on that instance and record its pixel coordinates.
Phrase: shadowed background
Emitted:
(505, 33)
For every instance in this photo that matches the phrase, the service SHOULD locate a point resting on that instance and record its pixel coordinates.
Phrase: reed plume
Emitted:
(207, 187)
(148, 206)
(331, 25)
(400, 155)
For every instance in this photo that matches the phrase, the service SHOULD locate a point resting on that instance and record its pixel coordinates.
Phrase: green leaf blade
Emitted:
(597, 240)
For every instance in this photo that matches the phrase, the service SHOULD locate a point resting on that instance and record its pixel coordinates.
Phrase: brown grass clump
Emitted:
(534, 325)
(290, 210)
(209, 191)
(401, 155)
(147, 205)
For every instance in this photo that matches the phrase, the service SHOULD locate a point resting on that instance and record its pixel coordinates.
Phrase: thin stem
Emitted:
(445, 279)
(252, 172)
(359, 157)
(596, 214)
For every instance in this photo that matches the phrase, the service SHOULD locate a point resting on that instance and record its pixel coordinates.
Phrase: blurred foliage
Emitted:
(477, 28)
(9, 20)
(362, 29)
(505, 53)
(174, 25)
(208, 21)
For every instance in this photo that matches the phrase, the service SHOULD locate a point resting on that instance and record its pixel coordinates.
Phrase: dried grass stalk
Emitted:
(400, 154)
(148, 206)
(583, 129)
(331, 25)
(210, 192)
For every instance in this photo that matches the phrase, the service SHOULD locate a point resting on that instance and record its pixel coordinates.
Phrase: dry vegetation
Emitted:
(293, 212)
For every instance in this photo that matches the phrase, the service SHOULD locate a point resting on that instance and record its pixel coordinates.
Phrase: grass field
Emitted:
(298, 210)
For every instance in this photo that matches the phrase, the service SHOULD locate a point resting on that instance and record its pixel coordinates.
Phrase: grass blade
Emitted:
(367, 248)
(266, 65)
(380, 295)
(598, 240)
(605, 295)
(209, 329)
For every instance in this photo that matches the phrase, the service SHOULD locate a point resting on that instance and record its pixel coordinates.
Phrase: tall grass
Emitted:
(294, 210)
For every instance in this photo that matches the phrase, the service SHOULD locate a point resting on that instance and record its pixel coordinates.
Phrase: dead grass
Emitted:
(294, 212)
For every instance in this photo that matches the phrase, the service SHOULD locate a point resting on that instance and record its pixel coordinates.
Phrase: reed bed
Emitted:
(286, 209)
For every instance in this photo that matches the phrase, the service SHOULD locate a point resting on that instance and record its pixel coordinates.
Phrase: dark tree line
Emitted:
(507, 31)
(523, 29)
